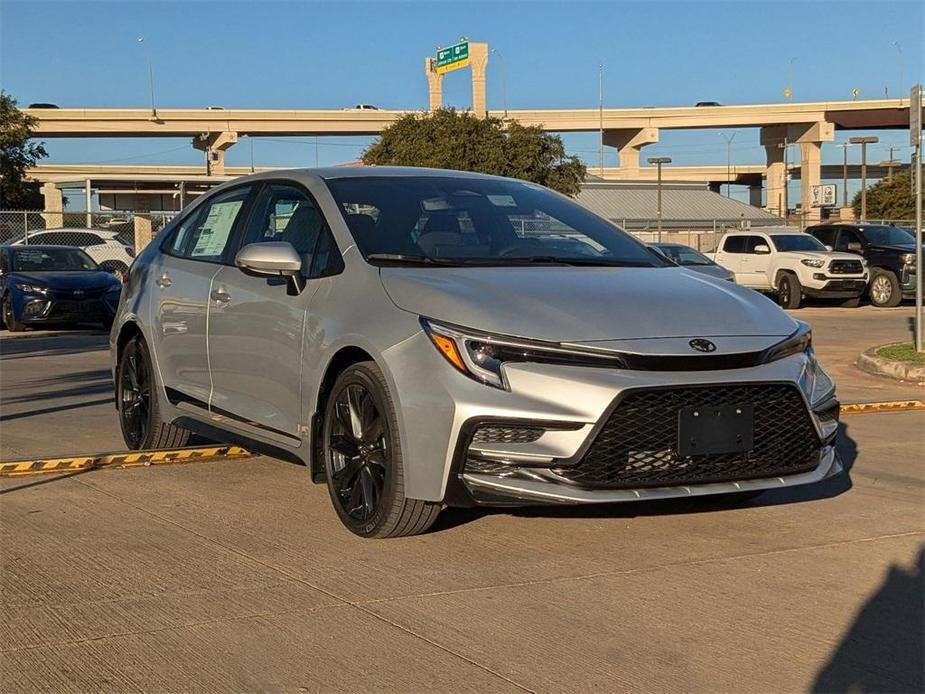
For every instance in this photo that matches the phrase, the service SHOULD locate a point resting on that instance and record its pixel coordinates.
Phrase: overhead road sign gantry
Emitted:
(452, 58)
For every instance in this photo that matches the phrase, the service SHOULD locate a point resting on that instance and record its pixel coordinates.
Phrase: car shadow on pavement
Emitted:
(884, 649)
(834, 486)
(53, 345)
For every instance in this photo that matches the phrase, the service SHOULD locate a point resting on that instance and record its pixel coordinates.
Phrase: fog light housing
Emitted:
(818, 275)
(34, 308)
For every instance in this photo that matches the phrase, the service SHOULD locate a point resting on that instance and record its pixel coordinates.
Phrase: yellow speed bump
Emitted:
(16, 468)
(891, 406)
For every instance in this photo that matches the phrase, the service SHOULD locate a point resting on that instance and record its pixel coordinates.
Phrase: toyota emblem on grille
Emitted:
(702, 345)
(78, 292)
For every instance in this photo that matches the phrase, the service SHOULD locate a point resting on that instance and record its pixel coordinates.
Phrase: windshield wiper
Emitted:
(403, 259)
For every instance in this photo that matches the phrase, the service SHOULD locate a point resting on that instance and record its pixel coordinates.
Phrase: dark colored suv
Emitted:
(890, 255)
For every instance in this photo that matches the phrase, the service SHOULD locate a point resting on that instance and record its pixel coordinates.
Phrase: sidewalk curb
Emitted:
(869, 362)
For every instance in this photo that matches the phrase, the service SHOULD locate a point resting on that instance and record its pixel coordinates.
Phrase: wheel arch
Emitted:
(781, 271)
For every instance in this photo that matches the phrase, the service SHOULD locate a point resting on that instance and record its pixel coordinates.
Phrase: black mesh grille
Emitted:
(637, 447)
(846, 267)
(506, 434)
(488, 467)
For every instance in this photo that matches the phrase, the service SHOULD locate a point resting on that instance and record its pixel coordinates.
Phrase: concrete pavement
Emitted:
(237, 576)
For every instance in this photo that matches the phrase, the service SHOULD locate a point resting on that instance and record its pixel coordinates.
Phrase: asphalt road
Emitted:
(236, 575)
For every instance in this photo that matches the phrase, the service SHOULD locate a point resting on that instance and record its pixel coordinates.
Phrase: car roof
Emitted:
(335, 172)
(43, 247)
(764, 230)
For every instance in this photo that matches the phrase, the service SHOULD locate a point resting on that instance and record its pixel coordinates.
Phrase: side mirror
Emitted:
(276, 258)
(855, 246)
(829, 248)
(762, 249)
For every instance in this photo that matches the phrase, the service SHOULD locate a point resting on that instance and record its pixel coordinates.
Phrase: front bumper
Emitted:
(568, 406)
(907, 282)
(836, 288)
(33, 309)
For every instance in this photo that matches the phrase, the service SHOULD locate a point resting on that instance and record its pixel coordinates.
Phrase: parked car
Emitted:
(701, 104)
(685, 256)
(42, 285)
(363, 107)
(105, 247)
(423, 353)
(792, 265)
(888, 250)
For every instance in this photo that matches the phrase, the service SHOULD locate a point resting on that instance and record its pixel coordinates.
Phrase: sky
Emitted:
(262, 54)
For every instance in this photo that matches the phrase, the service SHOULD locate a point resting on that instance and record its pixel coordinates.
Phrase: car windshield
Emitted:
(683, 255)
(52, 260)
(887, 236)
(796, 242)
(444, 220)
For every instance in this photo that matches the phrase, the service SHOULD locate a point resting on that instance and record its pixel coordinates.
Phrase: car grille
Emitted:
(75, 309)
(846, 267)
(637, 446)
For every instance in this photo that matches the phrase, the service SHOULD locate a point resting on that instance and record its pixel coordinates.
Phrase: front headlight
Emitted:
(800, 341)
(32, 289)
(482, 356)
(813, 262)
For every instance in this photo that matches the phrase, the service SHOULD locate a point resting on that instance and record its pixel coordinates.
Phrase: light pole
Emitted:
(785, 212)
(503, 78)
(600, 110)
(658, 161)
(864, 140)
(789, 90)
(728, 161)
(844, 172)
(899, 50)
(141, 39)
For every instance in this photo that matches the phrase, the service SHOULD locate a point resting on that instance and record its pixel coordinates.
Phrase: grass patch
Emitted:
(904, 352)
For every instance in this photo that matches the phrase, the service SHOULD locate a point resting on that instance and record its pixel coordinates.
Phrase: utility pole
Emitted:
(658, 161)
(785, 213)
(844, 172)
(503, 78)
(864, 140)
(141, 39)
(600, 108)
(915, 139)
(728, 162)
(899, 50)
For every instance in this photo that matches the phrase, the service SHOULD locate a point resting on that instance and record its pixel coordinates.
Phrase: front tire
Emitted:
(9, 319)
(789, 291)
(363, 459)
(139, 413)
(885, 291)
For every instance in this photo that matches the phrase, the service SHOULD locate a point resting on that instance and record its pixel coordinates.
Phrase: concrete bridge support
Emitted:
(54, 206)
(777, 140)
(629, 144)
(214, 146)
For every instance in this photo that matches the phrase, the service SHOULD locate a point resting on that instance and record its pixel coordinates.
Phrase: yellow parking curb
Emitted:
(890, 406)
(17, 468)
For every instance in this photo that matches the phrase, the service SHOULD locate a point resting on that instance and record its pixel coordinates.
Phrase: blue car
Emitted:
(43, 285)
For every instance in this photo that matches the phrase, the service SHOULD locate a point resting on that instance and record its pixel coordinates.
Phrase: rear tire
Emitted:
(789, 291)
(143, 427)
(885, 291)
(13, 325)
(363, 459)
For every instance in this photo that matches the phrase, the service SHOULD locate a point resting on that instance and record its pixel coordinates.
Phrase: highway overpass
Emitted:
(629, 130)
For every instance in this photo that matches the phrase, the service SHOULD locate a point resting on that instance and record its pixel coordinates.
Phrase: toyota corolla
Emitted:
(425, 338)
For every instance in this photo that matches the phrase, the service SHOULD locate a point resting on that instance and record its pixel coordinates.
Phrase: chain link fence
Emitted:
(131, 229)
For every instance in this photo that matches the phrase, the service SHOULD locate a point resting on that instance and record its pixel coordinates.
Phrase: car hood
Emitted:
(583, 304)
(66, 280)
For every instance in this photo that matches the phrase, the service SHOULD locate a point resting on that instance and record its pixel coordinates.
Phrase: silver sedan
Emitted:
(422, 338)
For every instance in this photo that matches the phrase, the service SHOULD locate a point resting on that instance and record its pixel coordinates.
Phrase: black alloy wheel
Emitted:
(359, 452)
(135, 395)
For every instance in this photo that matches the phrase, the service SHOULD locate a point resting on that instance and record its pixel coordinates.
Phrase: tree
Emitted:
(448, 139)
(17, 153)
(888, 199)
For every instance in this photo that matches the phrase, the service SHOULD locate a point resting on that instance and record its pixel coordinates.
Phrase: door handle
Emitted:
(163, 281)
(220, 296)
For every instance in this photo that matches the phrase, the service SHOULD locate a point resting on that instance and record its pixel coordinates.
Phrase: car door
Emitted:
(729, 255)
(182, 279)
(849, 241)
(755, 265)
(256, 323)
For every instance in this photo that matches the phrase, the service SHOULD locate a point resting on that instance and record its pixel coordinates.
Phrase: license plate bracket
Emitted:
(716, 430)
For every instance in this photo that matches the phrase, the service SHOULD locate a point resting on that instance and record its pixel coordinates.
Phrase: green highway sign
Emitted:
(452, 58)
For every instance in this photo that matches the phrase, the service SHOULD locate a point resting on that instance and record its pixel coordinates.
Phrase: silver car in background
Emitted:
(423, 338)
(685, 256)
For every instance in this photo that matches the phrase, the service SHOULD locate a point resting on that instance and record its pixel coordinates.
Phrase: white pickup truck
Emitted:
(792, 265)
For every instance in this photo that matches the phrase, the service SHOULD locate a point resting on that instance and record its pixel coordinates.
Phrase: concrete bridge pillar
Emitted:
(810, 175)
(629, 144)
(478, 63)
(214, 146)
(776, 178)
(141, 221)
(434, 85)
(54, 206)
(754, 195)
